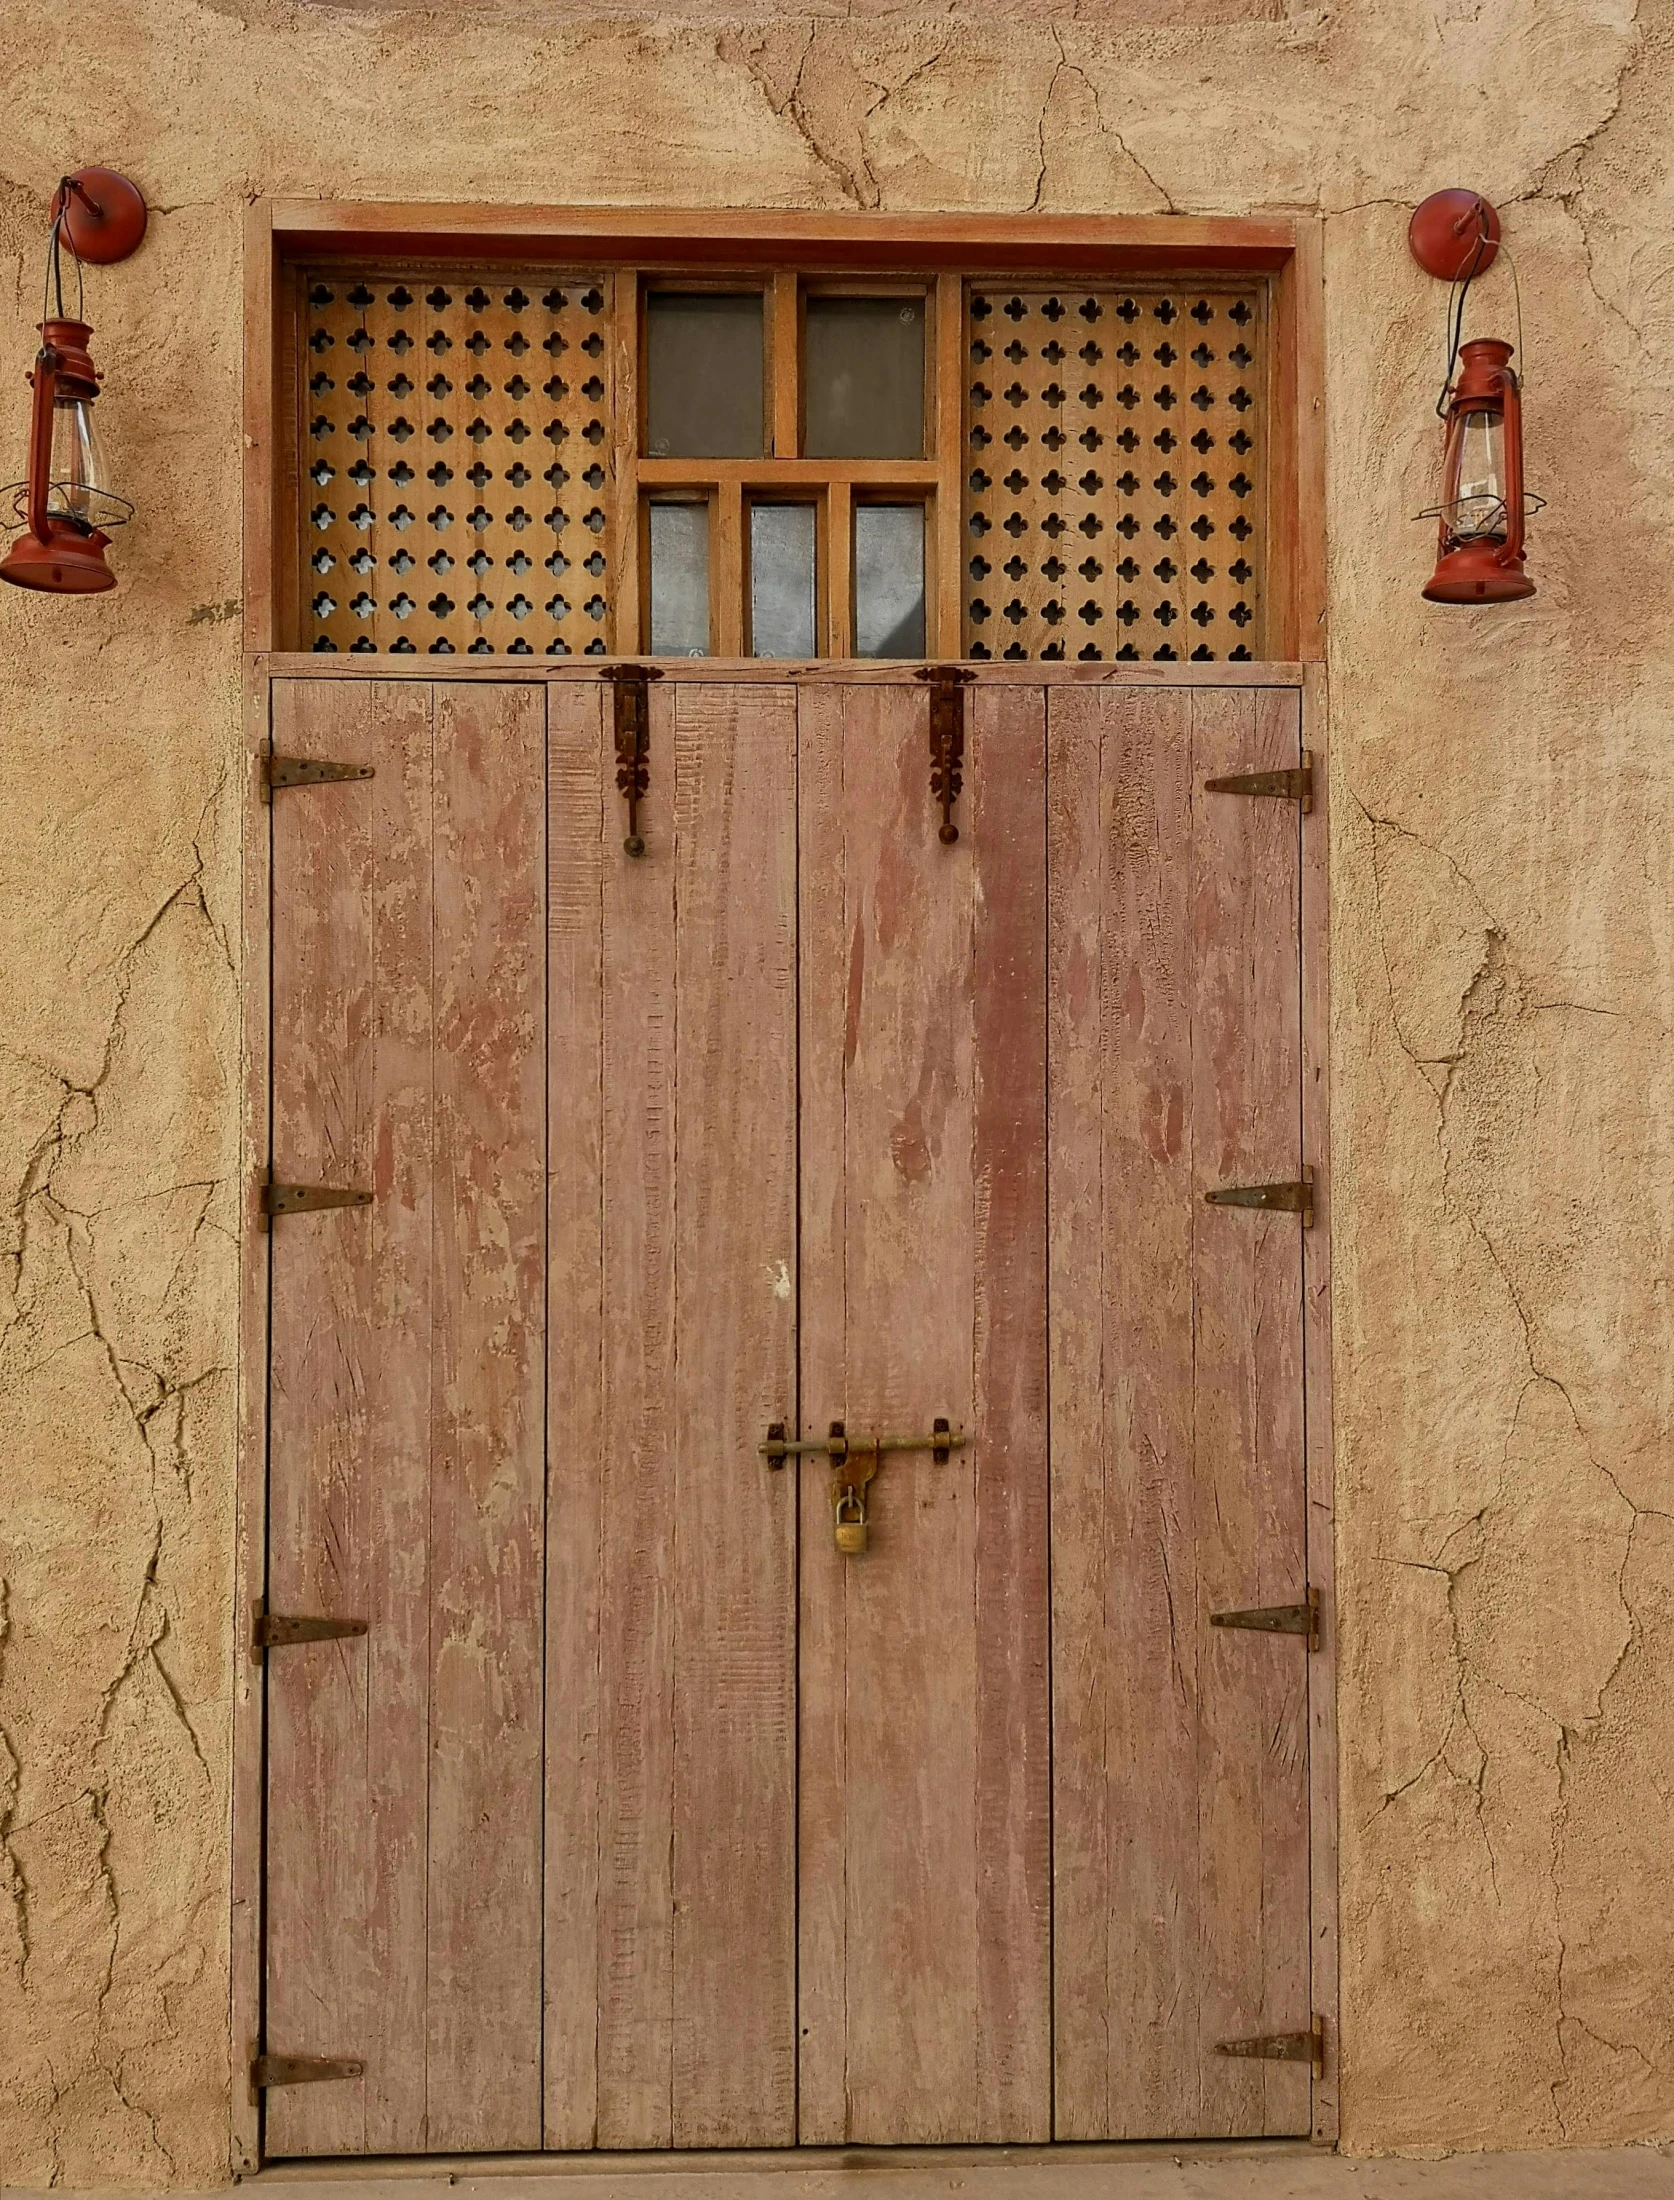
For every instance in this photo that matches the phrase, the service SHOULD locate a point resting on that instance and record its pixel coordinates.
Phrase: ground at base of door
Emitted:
(1277, 2170)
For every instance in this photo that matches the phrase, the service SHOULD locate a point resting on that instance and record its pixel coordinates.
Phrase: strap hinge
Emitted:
(269, 2070)
(1302, 2047)
(308, 1199)
(1296, 1198)
(1291, 786)
(272, 1630)
(633, 741)
(947, 739)
(1276, 1619)
(308, 771)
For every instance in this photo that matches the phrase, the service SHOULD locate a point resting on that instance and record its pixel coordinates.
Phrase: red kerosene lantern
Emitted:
(1455, 236)
(64, 506)
(1481, 512)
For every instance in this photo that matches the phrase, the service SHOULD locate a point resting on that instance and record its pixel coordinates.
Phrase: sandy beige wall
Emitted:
(1503, 937)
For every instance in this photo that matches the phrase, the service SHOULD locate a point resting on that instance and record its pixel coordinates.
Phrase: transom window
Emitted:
(780, 464)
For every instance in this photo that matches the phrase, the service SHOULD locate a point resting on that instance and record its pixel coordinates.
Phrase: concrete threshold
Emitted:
(1279, 2169)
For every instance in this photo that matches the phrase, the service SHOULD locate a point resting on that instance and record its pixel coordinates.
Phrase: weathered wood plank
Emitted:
(346, 1955)
(1180, 1751)
(1077, 833)
(580, 843)
(940, 1946)
(734, 1521)
(823, 1289)
(1126, 1625)
(635, 1989)
(1006, 825)
(1316, 1355)
(488, 1419)
(1248, 1433)
(697, 1833)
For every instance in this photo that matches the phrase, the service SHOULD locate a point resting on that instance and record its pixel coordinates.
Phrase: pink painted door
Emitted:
(925, 1862)
(406, 1468)
(1180, 1749)
(642, 1815)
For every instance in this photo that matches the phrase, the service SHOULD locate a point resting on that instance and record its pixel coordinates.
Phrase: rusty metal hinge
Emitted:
(1276, 1619)
(269, 2070)
(947, 739)
(274, 1629)
(308, 771)
(633, 741)
(308, 1199)
(1289, 1199)
(1302, 2047)
(1296, 786)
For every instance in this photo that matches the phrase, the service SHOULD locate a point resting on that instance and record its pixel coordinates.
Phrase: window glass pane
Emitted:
(782, 580)
(889, 580)
(679, 580)
(864, 378)
(704, 354)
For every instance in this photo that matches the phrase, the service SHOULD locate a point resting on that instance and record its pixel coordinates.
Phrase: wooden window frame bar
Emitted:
(784, 252)
(280, 233)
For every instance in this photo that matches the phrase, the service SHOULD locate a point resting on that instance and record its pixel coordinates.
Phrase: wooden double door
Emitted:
(640, 1815)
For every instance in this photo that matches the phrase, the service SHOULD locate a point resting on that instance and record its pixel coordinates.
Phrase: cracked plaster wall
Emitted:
(1504, 957)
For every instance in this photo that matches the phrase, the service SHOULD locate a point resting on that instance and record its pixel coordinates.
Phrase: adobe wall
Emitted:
(1503, 940)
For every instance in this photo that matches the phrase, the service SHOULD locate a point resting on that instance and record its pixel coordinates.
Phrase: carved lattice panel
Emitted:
(1116, 464)
(457, 446)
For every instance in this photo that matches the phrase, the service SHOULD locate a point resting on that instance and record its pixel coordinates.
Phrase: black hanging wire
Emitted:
(1456, 307)
(55, 258)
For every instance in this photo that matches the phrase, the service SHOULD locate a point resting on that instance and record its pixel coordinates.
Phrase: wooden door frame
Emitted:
(1289, 249)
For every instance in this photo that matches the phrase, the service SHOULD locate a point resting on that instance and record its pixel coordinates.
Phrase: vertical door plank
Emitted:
(578, 848)
(636, 1764)
(1082, 1871)
(696, 1834)
(823, 1656)
(1007, 829)
(488, 1417)
(1180, 1758)
(934, 2026)
(346, 1966)
(1248, 1437)
(734, 1525)
(1126, 1623)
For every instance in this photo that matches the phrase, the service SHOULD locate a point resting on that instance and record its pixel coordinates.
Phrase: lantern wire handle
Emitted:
(55, 264)
(1456, 297)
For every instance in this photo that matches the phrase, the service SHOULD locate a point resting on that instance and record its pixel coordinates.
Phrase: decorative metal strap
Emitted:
(1302, 2047)
(1276, 1619)
(947, 739)
(1292, 786)
(1295, 1198)
(275, 1629)
(269, 2070)
(311, 771)
(633, 741)
(308, 1199)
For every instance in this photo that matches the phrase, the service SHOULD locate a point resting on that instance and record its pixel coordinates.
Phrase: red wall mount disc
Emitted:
(1446, 235)
(104, 219)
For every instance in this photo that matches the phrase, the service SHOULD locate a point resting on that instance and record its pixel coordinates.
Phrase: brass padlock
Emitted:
(851, 1524)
